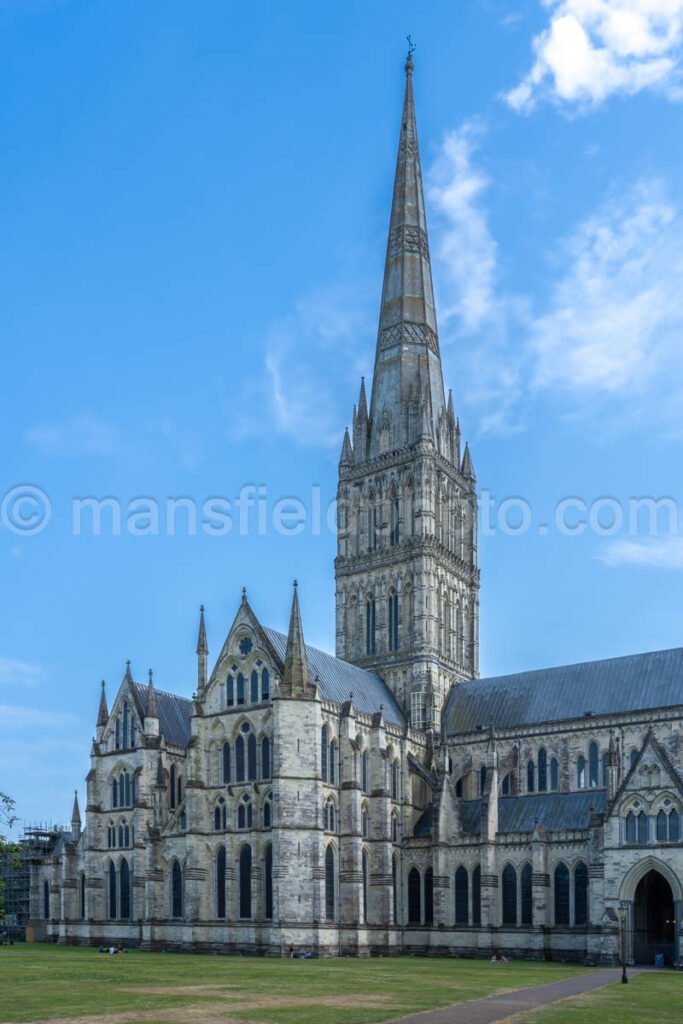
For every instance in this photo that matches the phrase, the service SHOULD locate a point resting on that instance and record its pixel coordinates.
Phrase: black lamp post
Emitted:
(622, 935)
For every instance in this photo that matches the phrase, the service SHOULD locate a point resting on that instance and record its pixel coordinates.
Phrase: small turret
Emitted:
(360, 425)
(102, 715)
(151, 714)
(75, 820)
(202, 654)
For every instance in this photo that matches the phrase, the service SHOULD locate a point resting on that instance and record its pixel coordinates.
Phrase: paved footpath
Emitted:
(507, 1004)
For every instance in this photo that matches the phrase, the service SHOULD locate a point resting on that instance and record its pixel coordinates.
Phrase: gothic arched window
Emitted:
(394, 780)
(231, 691)
(245, 882)
(526, 894)
(239, 759)
(630, 828)
(593, 763)
(393, 622)
(674, 827)
(125, 725)
(364, 766)
(227, 765)
(329, 883)
(561, 894)
(370, 624)
(461, 896)
(530, 777)
(124, 882)
(554, 774)
(265, 758)
(253, 696)
(509, 895)
(251, 757)
(323, 753)
(580, 894)
(172, 787)
(332, 774)
(268, 883)
(581, 771)
(365, 823)
(240, 688)
(245, 813)
(542, 770)
(265, 684)
(642, 828)
(176, 890)
(364, 866)
(81, 897)
(414, 897)
(394, 888)
(220, 882)
(112, 892)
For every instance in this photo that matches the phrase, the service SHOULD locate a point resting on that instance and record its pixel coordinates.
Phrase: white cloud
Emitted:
(79, 435)
(314, 358)
(663, 553)
(14, 672)
(594, 48)
(457, 188)
(615, 314)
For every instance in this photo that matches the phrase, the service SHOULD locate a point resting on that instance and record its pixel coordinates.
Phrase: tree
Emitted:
(8, 851)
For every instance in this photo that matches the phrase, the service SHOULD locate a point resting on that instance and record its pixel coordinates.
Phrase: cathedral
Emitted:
(386, 800)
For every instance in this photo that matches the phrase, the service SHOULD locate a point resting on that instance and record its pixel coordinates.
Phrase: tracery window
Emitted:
(593, 762)
(220, 815)
(542, 770)
(245, 813)
(370, 626)
(265, 758)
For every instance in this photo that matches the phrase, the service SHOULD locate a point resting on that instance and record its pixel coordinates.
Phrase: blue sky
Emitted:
(194, 201)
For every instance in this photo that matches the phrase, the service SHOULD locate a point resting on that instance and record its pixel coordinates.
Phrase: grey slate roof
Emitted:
(338, 679)
(174, 714)
(638, 682)
(553, 811)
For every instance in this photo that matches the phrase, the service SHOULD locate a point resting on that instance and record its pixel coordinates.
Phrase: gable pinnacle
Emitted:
(295, 675)
(103, 712)
(151, 711)
(202, 646)
(76, 814)
(346, 457)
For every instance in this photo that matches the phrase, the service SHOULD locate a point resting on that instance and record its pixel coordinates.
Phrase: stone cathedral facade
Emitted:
(385, 800)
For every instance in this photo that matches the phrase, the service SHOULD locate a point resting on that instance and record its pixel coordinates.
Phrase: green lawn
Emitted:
(52, 983)
(651, 998)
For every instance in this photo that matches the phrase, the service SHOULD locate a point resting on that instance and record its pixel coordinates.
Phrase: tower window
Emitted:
(370, 623)
(393, 622)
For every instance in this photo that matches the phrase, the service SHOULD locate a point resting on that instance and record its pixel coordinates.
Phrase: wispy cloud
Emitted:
(313, 359)
(76, 436)
(17, 673)
(615, 315)
(14, 716)
(662, 553)
(592, 49)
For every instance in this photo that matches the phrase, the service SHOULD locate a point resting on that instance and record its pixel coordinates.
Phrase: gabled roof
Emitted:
(554, 812)
(337, 680)
(173, 712)
(638, 682)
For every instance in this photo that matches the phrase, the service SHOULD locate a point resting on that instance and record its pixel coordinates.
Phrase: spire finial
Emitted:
(202, 645)
(151, 674)
(244, 595)
(103, 711)
(411, 50)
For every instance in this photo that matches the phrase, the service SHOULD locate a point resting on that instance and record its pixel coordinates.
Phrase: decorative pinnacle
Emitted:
(244, 594)
(150, 673)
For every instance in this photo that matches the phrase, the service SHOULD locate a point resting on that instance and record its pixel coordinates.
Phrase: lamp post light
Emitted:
(622, 936)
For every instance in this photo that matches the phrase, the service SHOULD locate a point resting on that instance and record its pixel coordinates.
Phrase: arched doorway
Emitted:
(654, 920)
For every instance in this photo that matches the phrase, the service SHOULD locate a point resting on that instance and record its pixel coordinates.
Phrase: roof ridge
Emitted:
(163, 693)
(573, 664)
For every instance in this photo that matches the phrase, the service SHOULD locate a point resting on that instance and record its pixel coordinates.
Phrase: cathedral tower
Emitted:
(407, 581)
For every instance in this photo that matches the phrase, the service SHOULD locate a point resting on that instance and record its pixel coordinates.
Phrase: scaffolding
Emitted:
(37, 842)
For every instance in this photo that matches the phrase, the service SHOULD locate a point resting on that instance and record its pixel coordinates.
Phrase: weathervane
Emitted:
(411, 48)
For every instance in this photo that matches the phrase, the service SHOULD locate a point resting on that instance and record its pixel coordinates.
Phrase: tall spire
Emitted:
(407, 360)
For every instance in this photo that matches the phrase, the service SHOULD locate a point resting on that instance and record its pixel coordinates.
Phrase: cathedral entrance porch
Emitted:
(654, 920)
